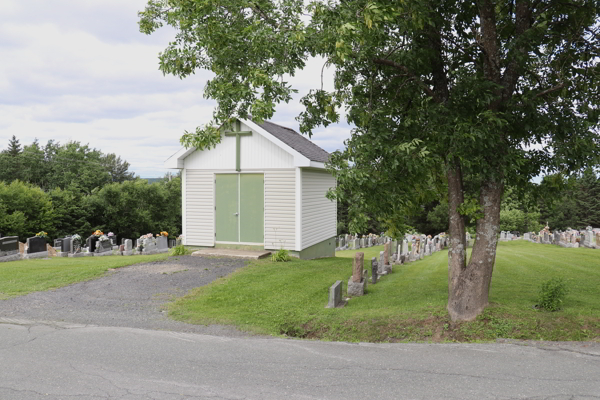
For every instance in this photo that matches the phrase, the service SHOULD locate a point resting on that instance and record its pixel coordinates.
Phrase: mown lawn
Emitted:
(408, 305)
(25, 276)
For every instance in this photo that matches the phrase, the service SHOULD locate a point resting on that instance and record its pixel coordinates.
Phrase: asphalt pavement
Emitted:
(110, 339)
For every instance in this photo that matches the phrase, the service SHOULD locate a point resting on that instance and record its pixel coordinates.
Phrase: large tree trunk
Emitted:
(469, 284)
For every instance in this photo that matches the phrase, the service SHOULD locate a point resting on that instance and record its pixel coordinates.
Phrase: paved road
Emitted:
(67, 361)
(109, 338)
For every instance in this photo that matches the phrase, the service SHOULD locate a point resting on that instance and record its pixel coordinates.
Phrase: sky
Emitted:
(80, 70)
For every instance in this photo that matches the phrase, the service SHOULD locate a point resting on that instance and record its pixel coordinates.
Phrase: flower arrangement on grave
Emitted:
(76, 239)
(110, 234)
(98, 233)
(102, 238)
(179, 240)
(162, 233)
(42, 234)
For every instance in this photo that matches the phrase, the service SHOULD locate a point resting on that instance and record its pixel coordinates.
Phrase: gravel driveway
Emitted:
(131, 297)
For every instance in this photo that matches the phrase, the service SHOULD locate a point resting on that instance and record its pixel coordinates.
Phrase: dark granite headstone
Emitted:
(374, 267)
(172, 243)
(9, 245)
(36, 244)
(58, 243)
(66, 245)
(91, 243)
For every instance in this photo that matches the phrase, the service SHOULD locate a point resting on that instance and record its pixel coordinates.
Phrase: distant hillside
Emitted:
(152, 180)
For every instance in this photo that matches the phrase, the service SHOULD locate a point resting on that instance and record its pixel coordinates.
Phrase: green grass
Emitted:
(408, 305)
(18, 278)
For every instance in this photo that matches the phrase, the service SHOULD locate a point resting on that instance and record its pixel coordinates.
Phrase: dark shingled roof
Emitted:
(296, 141)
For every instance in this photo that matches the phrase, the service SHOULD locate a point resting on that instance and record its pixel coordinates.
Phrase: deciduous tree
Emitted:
(472, 96)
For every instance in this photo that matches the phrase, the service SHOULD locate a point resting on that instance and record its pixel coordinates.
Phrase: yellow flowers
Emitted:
(98, 233)
(42, 234)
(163, 233)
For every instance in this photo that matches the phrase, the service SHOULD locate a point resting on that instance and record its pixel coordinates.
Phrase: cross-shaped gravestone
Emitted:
(237, 132)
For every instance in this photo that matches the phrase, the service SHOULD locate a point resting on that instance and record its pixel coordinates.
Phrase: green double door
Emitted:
(239, 208)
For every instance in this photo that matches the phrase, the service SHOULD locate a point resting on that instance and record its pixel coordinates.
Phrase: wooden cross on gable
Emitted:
(237, 132)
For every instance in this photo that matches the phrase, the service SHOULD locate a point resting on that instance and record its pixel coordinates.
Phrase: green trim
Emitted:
(323, 249)
(238, 134)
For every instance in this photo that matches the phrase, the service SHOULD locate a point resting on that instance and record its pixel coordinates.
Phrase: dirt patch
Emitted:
(159, 268)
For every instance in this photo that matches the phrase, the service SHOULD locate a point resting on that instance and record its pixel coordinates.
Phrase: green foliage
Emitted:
(552, 293)
(282, 255)
(62, 166)
(572, 202)
(134, 208)
(179, 250)
(25, 210)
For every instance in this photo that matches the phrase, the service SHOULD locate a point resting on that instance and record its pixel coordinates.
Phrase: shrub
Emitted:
(552, 293)
(179, 251)
(281, 256)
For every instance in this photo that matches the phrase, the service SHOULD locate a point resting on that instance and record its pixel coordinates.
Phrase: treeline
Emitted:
(72, 188)
(562, 203)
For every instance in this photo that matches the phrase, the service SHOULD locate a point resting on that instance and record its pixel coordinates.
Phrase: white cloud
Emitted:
(81, 70)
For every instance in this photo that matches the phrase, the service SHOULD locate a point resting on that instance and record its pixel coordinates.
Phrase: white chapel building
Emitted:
(263, 185)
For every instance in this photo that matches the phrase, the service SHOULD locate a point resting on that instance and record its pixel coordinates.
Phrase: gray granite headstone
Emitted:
(374, 268)
(335, 295)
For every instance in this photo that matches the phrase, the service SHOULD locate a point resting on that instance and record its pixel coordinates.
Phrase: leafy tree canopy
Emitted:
(463, 96)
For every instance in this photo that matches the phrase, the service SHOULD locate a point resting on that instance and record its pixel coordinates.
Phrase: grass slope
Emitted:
(21, 277)
(408, 305)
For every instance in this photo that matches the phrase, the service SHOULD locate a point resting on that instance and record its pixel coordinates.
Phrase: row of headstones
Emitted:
(506, 235)
(353, 242)
(570, 238)
(357, 284)
(69, 247)
(349, 242)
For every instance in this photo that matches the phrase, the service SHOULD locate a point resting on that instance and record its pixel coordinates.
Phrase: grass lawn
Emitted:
(25, 276)
(408, 305)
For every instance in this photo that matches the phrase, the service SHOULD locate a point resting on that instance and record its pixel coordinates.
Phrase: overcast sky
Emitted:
(81, 70)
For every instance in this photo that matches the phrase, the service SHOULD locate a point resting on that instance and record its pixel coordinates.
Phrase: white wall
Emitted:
(198, 211)
(319, 214)
(257, 152)
(280, 209)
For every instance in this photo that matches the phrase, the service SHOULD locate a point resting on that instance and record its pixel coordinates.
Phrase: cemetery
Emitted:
(96, 245)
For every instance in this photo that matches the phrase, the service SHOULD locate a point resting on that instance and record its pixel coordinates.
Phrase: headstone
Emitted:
(335, 295)
(36, 245)
(128, 247)
(162, 244)
(66, 245)
(356, 244)
(172, 243)
(386, 253)
(405, 247)
(91, 243)
(58, 243)
(36, 248)
(9, 248)
(357, 266)
(374, 270)
(381, 263)
(103, 247)
(399, 253)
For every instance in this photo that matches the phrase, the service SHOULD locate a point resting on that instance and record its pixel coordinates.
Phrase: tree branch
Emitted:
(550, 90)
(427, 89)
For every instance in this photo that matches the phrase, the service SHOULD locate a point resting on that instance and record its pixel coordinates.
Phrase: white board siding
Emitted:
(199, 208)
(319, 214)
(280, 209)
(256, 152)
